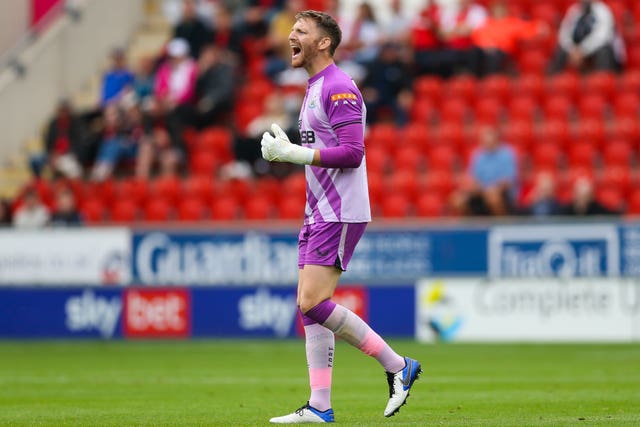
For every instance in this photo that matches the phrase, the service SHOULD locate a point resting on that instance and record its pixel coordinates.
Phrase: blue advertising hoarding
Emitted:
(177, 312)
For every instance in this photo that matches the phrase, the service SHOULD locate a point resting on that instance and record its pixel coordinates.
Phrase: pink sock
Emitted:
(320, 346)
(351, 328)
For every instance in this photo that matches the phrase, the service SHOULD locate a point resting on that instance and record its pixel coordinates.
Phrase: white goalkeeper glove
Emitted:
(278, 148)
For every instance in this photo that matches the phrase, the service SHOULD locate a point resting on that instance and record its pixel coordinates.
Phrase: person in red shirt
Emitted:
(425, 41)
(500, 35)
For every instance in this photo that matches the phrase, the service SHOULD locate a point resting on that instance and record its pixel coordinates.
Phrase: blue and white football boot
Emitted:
(399, 385)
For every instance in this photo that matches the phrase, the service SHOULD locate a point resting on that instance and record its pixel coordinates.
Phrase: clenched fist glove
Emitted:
(278, 148)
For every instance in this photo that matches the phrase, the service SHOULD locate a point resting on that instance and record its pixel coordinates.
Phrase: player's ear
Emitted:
(325, 43)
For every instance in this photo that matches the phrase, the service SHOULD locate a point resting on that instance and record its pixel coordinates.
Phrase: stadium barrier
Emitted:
(471, 282)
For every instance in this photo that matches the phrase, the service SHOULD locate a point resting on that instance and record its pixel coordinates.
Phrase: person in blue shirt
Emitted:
(493, 174)
(116, 79)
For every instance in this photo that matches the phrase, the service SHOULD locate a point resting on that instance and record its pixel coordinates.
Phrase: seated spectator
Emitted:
(114, 144)
(583, 201)
(214, 91)
(31, 213)
(116, 79)
(542, 201)
(493, 174)
(279, 52)
(228, 36)
(161, 141)
(397, 27)
(425, 41)
(387, 77)
(64, 144)
(176, 78)
(144, 78)
(66, 212)
(245, 147)
(360, 42)
(500, 36)
(587, 39)
(457, 23)
(192, 28)
(5, 213)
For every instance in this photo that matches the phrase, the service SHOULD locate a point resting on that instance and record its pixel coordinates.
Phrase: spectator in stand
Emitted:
(425, 41)
(66, 212)
(587, 39)
(145, 78)
(543, 201)
(214, 90)
(396, 29)
(457, 23)
(32, 213)
(5, 213)
(279, 52)
(228, 36)
(360, 42)
(386, 85)
(245, 147)
(64, 144)
(192, 28)
(583, 201)
(116, 79)
(500, 35)
(176, 78)
(493, 179)
(115, 144)
(161, 141)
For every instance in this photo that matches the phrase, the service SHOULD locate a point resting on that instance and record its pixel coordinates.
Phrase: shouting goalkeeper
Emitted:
(337, 211)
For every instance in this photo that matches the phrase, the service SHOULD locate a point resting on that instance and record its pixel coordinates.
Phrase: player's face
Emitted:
(303, 40)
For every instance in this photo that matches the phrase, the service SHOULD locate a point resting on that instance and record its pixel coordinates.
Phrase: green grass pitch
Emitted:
(244, 383)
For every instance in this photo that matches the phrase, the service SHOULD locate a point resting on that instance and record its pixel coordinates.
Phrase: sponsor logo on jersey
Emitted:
(340, 96)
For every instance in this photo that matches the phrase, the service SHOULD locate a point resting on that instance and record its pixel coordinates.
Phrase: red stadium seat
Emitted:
(488, 110)
(602, 83)
(134, 188)
(463, 87)
(429, 205)
(408, 158)
(528, 86)
(629, 81)
(217, 140)
(376, 187)
(454, 110)
(497, 87)
(611, 198)
(224, 208)
(546, 155)
(92, 210)
(589, 130)
(519, 133)
(204, 162)
(417, 134)
(191, 209)
(624, 128)
(592, 106)
(157, 209)
(166, 187)
(395, 206)
(404, 183)
(200, 187)
(553, 131)
(557, 107)
(383, 135)
(626, 105)
(429, 88)
(448, 134)
(633, 206)
(124, 211)
(533, 62)
(443, 157)
(296, 184)
(291, 208)
(582, 155)
(438, 182)
(523, 108)
(617, 153)
(566, 84)
(618, 178)
(423, 111)
(258, 208)
(269, 187)
(377, 159)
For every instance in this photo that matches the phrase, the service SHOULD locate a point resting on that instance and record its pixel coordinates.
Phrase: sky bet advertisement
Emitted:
(178, 313)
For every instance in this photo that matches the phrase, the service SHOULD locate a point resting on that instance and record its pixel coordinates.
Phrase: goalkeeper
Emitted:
(337, 211)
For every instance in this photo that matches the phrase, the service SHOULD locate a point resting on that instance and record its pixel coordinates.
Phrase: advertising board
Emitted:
(527, 310)
(68, 256)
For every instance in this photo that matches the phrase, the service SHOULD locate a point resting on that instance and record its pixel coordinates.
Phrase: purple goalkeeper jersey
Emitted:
(338, 194)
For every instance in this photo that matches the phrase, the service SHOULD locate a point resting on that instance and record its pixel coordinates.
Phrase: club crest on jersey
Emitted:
(313, 104)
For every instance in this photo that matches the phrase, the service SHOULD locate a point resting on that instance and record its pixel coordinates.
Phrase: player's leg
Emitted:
(329, 250)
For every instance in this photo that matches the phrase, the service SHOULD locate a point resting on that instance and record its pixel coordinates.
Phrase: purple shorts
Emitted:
(329, 243)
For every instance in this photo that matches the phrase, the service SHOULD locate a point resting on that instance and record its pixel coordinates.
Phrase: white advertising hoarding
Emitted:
(528, 310)
(65, 256)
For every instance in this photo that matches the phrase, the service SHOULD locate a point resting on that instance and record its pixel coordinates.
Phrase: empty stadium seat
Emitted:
(124, 211)
(157, 210)
(166, 187)
(191, 209)
(291, 208)
(257, 208)
(395, 206)
(92, 210)
(617, 153)
(429, 205)
(224, 209)
(198, 186)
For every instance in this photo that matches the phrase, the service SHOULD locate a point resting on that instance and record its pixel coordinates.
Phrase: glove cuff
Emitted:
(301, 155)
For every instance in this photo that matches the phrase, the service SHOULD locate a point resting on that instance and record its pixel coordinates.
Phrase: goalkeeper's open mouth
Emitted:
(295, 51)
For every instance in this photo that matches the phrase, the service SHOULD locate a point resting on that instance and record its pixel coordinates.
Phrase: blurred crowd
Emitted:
(149, 111)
